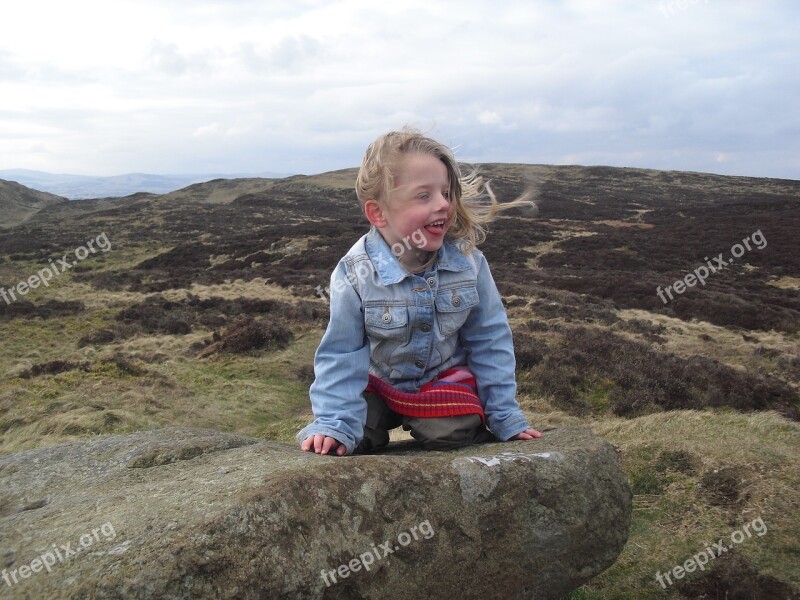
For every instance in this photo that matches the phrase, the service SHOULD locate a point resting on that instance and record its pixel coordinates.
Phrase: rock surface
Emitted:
(186, 513)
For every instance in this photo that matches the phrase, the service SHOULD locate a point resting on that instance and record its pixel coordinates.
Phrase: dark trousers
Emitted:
(440, 433)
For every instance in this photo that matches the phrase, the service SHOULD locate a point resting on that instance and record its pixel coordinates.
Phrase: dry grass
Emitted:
(755, 351)
(168, 385)
(344, 179)
(672, 460)
(540, 249)
(256, 288)
(552, 246)
(634, 224)
(220, 191)
(786, 283)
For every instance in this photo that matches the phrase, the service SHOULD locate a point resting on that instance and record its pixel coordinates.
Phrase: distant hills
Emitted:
(74, 187)
(18, 203)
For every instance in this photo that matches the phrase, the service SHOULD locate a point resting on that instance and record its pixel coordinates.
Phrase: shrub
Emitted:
(249, 335)
(53, 367)
(642, 379)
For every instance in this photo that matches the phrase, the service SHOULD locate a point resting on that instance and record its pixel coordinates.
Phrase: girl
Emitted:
(418, 335)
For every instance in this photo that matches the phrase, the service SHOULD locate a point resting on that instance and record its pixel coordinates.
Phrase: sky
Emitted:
(249, 86)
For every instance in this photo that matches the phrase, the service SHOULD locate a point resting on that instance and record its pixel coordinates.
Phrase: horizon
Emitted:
(239, 174)
(235, 175)
(86, 187)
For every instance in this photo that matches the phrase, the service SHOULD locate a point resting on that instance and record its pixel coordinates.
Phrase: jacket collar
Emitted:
(390, 270)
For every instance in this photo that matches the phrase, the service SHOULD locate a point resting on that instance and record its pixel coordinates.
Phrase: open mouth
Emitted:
(435, 227)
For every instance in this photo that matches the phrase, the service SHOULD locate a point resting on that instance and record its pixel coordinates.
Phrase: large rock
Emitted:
(184, 513)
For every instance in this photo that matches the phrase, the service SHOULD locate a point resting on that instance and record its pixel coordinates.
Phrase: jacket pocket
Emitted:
(453, 306)
(386, 322)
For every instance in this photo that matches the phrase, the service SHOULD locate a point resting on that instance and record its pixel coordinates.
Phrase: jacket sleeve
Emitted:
(341, 368)
(486, 335)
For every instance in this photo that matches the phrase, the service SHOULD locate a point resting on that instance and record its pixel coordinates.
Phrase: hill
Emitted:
(76, 187)
(18, 203)
(659, 308)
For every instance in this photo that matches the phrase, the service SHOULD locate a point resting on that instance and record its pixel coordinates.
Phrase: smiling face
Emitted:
(416, 217)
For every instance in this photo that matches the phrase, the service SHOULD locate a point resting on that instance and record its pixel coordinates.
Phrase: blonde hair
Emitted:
(467, 192)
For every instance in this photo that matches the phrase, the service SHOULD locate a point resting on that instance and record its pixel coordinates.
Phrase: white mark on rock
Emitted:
(478, 482)
(366, 496)
(493, 461)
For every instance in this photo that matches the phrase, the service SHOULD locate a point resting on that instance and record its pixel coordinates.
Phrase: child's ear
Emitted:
(374, 213)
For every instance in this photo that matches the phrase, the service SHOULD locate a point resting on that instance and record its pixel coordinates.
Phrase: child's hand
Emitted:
(528, 434)
(321, 444)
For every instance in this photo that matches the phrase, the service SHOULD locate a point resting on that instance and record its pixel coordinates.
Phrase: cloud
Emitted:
(170, 60)
(169, 86)
(287, 54)
(489, 117)
(215, 131)
(206, 131)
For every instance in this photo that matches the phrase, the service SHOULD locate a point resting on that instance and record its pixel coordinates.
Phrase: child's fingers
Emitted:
(321, 444)
(528, 434)
(329, 444)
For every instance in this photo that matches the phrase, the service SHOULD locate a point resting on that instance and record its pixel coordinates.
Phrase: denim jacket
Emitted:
(406, 329)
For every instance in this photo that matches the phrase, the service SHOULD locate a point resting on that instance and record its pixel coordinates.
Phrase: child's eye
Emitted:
(446, 194)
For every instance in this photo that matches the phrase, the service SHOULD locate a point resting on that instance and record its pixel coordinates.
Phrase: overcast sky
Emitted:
(241, 86)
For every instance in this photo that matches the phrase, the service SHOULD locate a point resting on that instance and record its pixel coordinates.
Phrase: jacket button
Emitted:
(419, 364)
(432, 281)
(387, 317)
(456, 301)
(425, 327)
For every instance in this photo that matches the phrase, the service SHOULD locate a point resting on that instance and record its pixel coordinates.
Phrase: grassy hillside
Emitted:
(206, 311)
(18, 203)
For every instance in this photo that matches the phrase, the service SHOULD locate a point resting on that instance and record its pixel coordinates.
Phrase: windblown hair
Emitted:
(468, 193)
